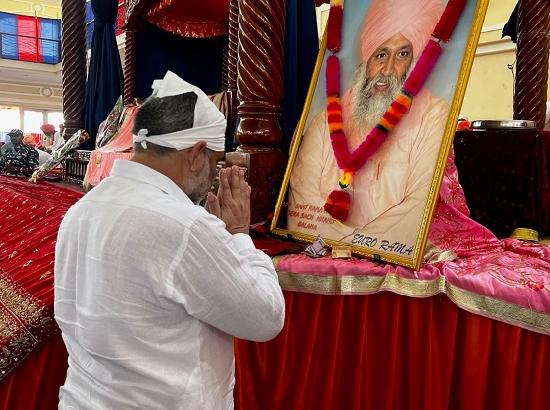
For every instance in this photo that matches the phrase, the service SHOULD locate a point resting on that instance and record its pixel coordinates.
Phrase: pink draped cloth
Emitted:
(102, 159)
(507, 280)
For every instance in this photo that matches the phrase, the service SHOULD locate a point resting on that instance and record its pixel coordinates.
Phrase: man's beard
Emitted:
(199, 185)
(368, 105)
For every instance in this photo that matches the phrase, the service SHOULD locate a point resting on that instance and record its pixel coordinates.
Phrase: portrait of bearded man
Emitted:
(389, 193)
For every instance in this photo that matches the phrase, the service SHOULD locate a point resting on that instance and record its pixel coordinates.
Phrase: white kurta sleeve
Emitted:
(223, 280)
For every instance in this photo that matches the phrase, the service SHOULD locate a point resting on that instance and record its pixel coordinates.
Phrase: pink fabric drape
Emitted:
(102, 159)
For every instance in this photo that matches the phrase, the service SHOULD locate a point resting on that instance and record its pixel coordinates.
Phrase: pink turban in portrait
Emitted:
(414, 19)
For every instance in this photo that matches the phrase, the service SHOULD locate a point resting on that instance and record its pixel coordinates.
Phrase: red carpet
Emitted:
(30, 215)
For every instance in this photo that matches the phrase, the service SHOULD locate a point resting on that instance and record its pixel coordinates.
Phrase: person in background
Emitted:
(58, 139)
(150, 288)
(8, 146)
(20, 159)
(43, 155)
(49, 131)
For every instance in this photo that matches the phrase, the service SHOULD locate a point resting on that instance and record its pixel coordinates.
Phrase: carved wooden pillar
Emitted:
(129, 67)
(225, 57)
(233, 46)
(230, 73)
(260, 65)
(73, 44)
(260, 92)
(532, 61)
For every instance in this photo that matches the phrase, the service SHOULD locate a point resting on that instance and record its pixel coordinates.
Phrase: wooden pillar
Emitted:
(129, 67)
(532, 61)
(260, 67)
(73, 43)
(230, 73)
(133, 11)
(260, 92)
(233, 46)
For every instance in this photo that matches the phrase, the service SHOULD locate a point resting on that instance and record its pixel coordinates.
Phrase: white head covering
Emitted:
(208, 122)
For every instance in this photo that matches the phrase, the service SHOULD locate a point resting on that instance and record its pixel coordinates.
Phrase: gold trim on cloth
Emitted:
(190, 29)
(8, 326)
(21, 306)
(160, 16)
(23, 324)
(525, 234)
(364, 284)
(20, 345)
(360, 284)
(159, 6)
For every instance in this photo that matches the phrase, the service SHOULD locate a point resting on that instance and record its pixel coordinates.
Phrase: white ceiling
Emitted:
(30, 73)
(22, 72)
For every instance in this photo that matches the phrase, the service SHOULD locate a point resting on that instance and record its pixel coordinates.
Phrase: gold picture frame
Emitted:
(471, 30)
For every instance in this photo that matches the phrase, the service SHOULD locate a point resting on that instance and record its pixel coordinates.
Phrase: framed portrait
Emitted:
(392, 189)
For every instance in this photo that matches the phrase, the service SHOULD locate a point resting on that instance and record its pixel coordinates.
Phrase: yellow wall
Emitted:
(40, 8)
(489, 94)
(490, 89)
(499, 11)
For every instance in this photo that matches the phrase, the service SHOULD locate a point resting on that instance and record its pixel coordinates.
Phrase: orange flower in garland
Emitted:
(346, 179)
(339, 202)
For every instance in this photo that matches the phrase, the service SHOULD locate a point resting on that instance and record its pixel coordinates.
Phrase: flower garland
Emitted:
(339, 201)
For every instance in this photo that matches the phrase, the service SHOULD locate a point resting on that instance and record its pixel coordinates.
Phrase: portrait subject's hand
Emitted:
(232, 205)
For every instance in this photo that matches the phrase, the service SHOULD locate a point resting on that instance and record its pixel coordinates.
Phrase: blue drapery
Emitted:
(89, 24)
(301, 48)
(197, 60)
(511, 27)
(105, 80)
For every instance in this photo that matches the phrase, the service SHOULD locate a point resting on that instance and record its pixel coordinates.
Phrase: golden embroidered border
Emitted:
(362, 285)
(22, 306)
(18, 348)
(18, 314)
(8, 325)
(190, 29)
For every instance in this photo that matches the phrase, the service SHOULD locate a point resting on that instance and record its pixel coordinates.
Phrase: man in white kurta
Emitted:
(390, 191)
(150, 289)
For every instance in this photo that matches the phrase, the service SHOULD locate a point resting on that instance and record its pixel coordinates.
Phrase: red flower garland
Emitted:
(334, 26)
(339, 201)
(449, 20)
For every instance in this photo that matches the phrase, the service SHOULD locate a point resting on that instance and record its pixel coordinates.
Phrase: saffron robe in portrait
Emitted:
(389, 192)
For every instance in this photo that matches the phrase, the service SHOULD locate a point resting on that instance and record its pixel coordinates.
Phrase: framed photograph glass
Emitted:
(367, 173)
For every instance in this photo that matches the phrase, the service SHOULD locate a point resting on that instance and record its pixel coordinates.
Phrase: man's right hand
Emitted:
(232, 204)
